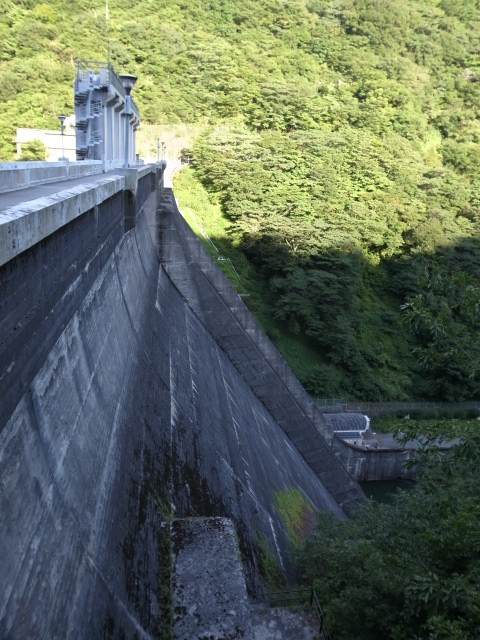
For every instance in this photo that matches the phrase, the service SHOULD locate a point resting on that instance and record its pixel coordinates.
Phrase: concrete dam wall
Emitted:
(119, 409)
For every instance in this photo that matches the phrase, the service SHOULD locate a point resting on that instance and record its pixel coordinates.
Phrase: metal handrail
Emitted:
(376, 408)
(273, 598)
(293, 597)
(324, 633)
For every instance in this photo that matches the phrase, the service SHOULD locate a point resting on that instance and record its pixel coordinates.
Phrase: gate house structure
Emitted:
(99, 98)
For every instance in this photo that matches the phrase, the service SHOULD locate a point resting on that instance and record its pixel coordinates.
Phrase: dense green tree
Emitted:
(446, 316)
(33, 150)
(410, 569)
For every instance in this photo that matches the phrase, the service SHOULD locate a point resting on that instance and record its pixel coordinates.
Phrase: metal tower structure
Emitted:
(100, 99)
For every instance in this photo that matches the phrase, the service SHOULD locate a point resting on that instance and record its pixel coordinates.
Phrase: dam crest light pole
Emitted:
(62, 123)
(127, 81)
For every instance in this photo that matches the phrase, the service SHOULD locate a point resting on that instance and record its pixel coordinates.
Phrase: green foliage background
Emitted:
(340, 144)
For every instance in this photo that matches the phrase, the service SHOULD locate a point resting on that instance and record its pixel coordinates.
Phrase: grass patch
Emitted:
(297, 515)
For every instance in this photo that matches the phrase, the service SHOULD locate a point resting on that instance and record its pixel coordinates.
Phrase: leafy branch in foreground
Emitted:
(446, 449)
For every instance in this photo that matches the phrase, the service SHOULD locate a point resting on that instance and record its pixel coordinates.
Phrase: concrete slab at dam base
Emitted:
(119, 403)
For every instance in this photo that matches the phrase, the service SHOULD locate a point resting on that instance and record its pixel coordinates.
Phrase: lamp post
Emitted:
(158, 149)
(62, 120)
(127, 81)
(164, 146)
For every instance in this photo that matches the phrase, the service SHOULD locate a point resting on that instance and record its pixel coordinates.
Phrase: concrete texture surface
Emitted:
(284, 624)
(116, 398)
(373, 464)
(209, 592)
(222, 311)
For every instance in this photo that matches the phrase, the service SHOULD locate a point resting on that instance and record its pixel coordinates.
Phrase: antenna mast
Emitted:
(108, 33)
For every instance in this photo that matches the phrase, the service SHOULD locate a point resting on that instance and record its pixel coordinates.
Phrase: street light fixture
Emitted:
(127, 81)
(62, 120)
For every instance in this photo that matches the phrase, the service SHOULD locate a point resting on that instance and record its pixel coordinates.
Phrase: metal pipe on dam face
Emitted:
(120, 403)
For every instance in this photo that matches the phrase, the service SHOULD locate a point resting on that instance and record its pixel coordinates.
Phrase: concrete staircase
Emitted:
(210, 597)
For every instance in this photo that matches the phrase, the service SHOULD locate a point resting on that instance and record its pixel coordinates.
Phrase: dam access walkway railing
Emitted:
(301, 599)
(338, 405)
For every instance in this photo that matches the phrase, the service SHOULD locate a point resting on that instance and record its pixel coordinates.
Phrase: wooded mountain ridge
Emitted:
(341, 145)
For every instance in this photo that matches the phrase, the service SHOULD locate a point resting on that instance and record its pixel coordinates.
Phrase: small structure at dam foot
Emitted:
(367, 455)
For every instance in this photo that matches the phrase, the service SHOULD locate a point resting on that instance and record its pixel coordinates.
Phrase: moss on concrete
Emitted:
(270, 571)
(164, 594)
(296, 513)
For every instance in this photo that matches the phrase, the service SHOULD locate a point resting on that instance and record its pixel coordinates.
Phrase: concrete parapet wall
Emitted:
(18, 175)
(23, 226)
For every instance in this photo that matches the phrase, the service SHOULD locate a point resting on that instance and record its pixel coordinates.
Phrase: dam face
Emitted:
(120, 408)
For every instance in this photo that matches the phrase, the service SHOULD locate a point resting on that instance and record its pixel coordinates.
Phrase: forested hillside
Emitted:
(340, 145)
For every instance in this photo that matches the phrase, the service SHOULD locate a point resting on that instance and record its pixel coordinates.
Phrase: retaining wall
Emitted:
(118, 407)
(373, 464)
(251, 352)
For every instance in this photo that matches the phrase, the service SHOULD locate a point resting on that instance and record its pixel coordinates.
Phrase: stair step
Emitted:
(209, 591)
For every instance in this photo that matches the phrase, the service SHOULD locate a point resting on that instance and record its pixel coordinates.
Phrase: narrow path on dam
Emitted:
(13, 198)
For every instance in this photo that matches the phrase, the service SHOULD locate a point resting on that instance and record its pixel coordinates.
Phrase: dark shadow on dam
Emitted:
(136, 387)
